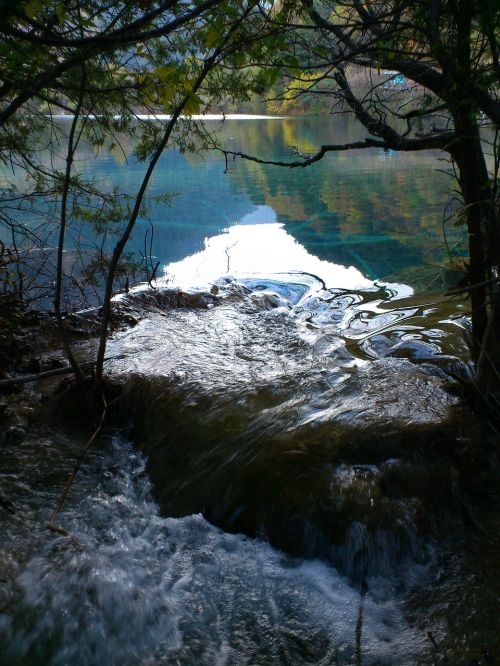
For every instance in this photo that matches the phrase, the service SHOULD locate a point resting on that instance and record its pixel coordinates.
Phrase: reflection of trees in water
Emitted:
(380, 211)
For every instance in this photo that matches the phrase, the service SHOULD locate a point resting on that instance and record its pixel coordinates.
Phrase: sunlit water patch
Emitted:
(257, 249)
(273, 310)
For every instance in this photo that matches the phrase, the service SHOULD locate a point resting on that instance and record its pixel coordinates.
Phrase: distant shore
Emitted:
(163, 116)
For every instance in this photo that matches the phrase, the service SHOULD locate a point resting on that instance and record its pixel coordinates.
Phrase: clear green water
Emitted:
(381, 212)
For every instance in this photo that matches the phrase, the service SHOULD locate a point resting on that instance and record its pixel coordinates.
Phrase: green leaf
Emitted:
(32, 8)
(165, 72)
(193, 104)
(61, 12)
(239, 58)
(212, 37)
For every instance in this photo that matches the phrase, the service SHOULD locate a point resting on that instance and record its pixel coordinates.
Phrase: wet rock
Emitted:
(83, 324)
(32, 366)
(7, 505)
(148, 300)
(8, 571)
(13, 435)
(363, 494)
(277, 426)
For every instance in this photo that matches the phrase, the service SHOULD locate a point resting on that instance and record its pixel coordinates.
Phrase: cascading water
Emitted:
(314, 419)
(286, 409)
(142, 589)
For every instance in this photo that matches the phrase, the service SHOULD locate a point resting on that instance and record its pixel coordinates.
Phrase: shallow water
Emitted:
(146, 589)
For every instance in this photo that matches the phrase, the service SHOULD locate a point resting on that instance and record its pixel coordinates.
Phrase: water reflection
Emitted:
(379, 212)
(258, 249)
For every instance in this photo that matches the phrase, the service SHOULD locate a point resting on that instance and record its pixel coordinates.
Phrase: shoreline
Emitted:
(163, 116)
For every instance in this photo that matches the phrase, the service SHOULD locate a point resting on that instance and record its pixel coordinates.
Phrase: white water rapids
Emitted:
(144, 589)
(150, 590)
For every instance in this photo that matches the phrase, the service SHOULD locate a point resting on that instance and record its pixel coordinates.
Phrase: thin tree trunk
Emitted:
(487, 380)
(72, 144)
(474, 184)
(488, 367)
(120, 245)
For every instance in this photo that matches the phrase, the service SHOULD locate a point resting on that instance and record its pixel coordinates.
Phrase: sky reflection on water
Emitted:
(257, 249)
(379, 212)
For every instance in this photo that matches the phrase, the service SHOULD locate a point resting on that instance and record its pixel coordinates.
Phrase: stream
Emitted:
(282, 490)
(292, 475)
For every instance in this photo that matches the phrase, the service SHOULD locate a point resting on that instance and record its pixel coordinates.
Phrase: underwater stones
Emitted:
(271, 428)
(303, 486)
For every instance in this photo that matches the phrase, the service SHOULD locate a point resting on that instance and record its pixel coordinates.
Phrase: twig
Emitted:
(153, 275)
(51, 525)
(472, 287)
(67, 370)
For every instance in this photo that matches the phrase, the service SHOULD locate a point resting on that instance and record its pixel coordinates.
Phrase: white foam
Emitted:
(148, 589)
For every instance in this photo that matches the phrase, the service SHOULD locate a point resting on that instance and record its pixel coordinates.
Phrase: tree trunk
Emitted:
(484, 250)
(475, 186)
(487, 378)
(488, 366)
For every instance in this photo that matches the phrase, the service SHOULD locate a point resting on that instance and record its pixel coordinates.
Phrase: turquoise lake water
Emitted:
(381, 212)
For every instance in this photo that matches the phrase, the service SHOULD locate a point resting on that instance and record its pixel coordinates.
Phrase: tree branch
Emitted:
(88, 48)
(392, 139)
(124, 36)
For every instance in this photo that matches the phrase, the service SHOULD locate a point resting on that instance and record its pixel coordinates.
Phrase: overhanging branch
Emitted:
(367, 143)
(425, 143)
(392, 139)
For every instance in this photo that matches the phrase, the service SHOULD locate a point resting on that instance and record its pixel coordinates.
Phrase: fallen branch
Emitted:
(51, 525)
(67, 370)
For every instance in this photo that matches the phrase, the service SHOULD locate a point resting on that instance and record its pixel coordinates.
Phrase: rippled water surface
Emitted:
(286, 480)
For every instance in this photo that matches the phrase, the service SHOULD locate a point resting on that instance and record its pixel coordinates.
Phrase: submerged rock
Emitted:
(362, 494)
(245, 418)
